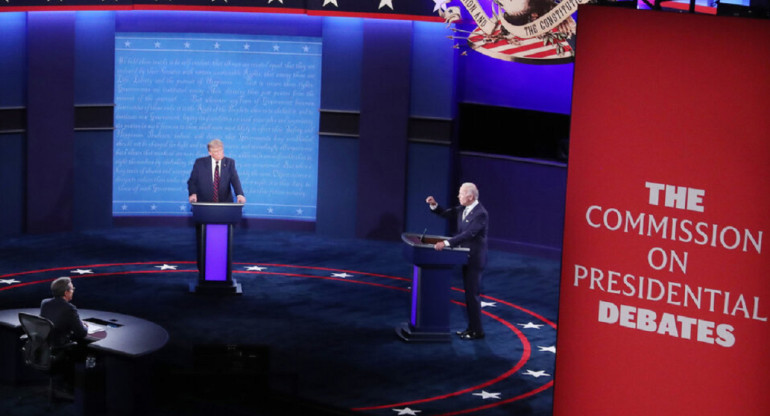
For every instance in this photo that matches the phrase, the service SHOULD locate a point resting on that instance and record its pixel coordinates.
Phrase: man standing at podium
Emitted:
(211, 180)
(472, 224)
(213, 177)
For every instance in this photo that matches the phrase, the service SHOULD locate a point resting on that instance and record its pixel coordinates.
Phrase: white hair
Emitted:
(471, 188)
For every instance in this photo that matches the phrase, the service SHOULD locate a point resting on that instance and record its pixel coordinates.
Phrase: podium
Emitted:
(215, 247)
(429, 319)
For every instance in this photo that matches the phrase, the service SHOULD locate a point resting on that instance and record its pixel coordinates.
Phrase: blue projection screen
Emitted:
(175, 92)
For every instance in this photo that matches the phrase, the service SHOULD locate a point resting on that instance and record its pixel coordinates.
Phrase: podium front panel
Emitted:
(415, 295)
(217, 248)
(430, 299)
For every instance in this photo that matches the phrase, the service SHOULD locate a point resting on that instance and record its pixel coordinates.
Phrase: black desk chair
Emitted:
(39, 354)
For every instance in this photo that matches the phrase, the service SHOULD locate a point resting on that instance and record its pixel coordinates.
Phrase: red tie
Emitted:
(216, 183)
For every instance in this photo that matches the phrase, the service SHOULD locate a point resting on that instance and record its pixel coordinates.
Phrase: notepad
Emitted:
(97, 325)
(92, 328)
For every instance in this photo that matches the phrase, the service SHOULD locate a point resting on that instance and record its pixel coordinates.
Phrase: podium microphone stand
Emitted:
(429, 319)
(215, 263)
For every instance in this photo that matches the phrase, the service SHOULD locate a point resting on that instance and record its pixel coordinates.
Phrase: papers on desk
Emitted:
(112, 323)
(92, 328)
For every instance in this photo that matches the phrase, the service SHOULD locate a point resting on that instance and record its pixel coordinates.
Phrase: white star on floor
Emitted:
(489, 304)
(552, 349)
(407, 411)
(255, 268)
(384, 3)
(9, 281)
(342, 275)
(536, 374)
(334, 2)
(82, 271)
(486, 395)
(530, 325)
(167, 267)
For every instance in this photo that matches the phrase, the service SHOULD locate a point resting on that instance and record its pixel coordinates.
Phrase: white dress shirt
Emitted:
(214, 164)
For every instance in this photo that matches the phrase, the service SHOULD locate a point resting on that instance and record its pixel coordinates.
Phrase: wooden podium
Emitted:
(215, 247)
(429, 320)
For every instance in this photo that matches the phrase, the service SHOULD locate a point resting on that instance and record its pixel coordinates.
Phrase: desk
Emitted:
(123, 348)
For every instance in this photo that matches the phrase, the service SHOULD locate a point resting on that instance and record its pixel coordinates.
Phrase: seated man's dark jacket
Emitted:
(67, 326)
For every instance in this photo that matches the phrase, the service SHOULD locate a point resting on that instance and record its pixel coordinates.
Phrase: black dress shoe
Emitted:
(463, 332)
(472, 335)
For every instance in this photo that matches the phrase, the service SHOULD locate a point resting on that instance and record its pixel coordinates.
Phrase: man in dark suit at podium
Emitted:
(213, 178)
(472, 224)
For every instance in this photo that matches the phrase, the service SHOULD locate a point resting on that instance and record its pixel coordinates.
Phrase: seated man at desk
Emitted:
(67, 325)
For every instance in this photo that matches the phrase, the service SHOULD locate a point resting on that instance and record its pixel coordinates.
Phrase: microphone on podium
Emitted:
(422, 236)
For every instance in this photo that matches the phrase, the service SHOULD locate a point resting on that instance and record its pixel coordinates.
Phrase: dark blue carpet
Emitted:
(321, 313)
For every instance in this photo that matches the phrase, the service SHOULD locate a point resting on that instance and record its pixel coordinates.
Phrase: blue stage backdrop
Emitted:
(175, 92)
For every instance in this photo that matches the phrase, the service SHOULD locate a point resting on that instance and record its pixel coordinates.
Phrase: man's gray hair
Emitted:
(471, 187)
(60, 286)
(215, 143)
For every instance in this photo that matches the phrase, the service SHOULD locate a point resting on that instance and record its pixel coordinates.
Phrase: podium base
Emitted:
(409, 334)
(216, 288)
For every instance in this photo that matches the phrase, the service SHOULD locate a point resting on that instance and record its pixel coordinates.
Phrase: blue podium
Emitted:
(429, 320)
(215, 247)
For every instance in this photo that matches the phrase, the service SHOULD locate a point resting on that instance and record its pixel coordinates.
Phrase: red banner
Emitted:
(665, 290)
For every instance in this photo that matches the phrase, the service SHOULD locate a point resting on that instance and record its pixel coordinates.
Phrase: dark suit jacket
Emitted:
(202, 183)
(471, 232)
(67, 326)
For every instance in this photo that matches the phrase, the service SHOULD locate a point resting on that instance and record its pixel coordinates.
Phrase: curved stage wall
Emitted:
(381, 150)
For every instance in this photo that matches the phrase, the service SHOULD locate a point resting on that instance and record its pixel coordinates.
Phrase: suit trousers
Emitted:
(472, 284)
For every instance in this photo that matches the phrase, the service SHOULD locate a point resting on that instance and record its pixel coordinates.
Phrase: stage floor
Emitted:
(318, 314)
